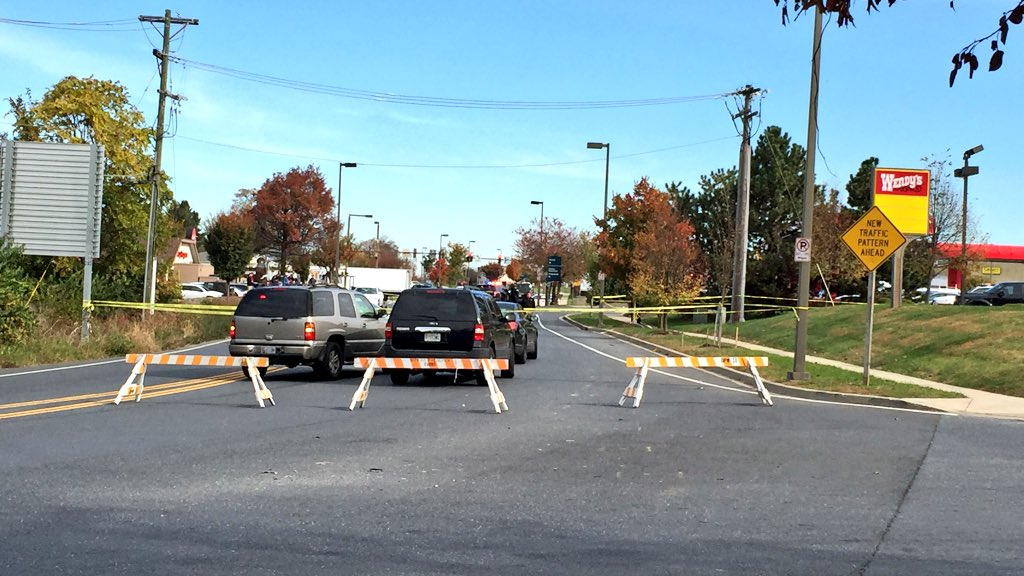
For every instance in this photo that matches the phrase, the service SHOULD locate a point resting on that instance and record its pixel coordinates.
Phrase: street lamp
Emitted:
(348, 229)
(543, 248)
(376, 247)
(604, 214)
(964, 173)
(440, 244)
(337, 245)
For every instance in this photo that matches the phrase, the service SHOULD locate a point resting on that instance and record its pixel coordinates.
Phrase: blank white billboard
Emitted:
(51, 197)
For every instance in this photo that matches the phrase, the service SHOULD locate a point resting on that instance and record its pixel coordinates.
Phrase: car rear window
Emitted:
(274, 303)
(437, 304)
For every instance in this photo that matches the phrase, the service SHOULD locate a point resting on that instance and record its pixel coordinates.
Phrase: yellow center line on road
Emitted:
(108, 397)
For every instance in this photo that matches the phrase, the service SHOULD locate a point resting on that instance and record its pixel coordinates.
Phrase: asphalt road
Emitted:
(427, 479)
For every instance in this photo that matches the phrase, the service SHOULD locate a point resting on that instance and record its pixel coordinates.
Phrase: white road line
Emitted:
(101, 363)
(744, 391)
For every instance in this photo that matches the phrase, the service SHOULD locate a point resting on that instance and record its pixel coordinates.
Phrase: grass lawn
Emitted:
(778, 332)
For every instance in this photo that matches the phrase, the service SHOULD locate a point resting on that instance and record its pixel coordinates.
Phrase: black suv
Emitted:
(1002, 293)
(447, 323)
(323, 327)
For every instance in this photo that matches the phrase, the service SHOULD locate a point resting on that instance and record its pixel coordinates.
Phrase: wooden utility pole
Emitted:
(803, 287)
(739, 276)
(149, 294)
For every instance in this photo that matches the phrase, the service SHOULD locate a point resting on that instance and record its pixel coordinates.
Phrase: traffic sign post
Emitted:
(873, 240)
(802, 250)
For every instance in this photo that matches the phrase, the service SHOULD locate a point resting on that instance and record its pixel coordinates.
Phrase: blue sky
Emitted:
(471, 173)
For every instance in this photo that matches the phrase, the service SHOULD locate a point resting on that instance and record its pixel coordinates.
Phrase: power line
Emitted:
(387, 97)
(126, 25)
(459, 166)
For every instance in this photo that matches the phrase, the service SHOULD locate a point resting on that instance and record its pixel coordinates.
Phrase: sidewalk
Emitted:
(974, 402)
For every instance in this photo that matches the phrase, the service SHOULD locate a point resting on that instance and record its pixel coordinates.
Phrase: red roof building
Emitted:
(996, 262)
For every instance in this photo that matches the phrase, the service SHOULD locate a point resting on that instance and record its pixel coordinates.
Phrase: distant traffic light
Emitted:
(469, 257)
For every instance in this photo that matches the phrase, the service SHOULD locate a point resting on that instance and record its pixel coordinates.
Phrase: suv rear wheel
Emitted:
(330, 366)
(511, 372)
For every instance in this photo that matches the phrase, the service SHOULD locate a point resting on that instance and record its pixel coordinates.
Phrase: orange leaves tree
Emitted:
(492, 271)
(438, 272)
(645, 244)
(290, 211)
(552, 237)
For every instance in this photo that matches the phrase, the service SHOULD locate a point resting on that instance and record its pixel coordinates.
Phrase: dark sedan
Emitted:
(525, 330)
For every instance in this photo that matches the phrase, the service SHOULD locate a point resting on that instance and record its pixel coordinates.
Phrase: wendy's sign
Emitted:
(902, 194)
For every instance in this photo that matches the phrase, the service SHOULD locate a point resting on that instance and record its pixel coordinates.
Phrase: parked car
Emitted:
(374, 295)
(524, 328)
(447, 323)
(1001, 293)
(323, 327)
(938, 298)
(196, 291)
(239, 289)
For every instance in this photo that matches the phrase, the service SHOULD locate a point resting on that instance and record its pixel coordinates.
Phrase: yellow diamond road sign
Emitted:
(873, 238)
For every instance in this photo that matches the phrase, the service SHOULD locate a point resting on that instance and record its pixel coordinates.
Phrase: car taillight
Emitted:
(309, 332)
(387, 331)
(512, 324)
(231, 330)
(478, 333)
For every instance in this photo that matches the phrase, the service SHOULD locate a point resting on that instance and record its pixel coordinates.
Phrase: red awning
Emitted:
(989, 252)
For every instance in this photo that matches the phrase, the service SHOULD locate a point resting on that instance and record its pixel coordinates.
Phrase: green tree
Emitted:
(290, 211)
(712, 214)
(858, 189)
(230, 243)
(776, 213)
(182, 213)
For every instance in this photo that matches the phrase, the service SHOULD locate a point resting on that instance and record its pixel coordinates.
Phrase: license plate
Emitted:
(432, 337)
(269, 350)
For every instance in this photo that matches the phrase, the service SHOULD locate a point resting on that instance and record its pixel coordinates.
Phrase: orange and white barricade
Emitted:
(635, 389)
(251, 363)
(487, 365)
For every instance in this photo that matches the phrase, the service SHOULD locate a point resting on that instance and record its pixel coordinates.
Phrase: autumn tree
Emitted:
(667, 269)
(492, 271)
(964, 57)
(647, 245)
(842, 269)
(438, 272)
(514, 269)
(230, 243)
(290, 211)
(924, 258)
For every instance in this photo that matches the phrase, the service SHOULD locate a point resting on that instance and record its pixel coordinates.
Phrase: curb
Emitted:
(773, 387)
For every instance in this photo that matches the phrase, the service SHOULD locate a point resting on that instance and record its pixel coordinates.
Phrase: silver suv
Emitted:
(323, 327)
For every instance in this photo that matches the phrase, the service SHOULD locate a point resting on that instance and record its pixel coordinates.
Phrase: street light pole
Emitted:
(469, 254)
(604, 213)
(376, 247)
(337, 244)
(440, 245)
(964, 173)
(543, 249)
(348, 230)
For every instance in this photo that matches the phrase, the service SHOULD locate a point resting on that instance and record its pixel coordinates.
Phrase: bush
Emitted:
(17, 320)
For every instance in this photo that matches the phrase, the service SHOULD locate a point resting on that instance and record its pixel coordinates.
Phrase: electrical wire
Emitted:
(359, 94)
(126, 25)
